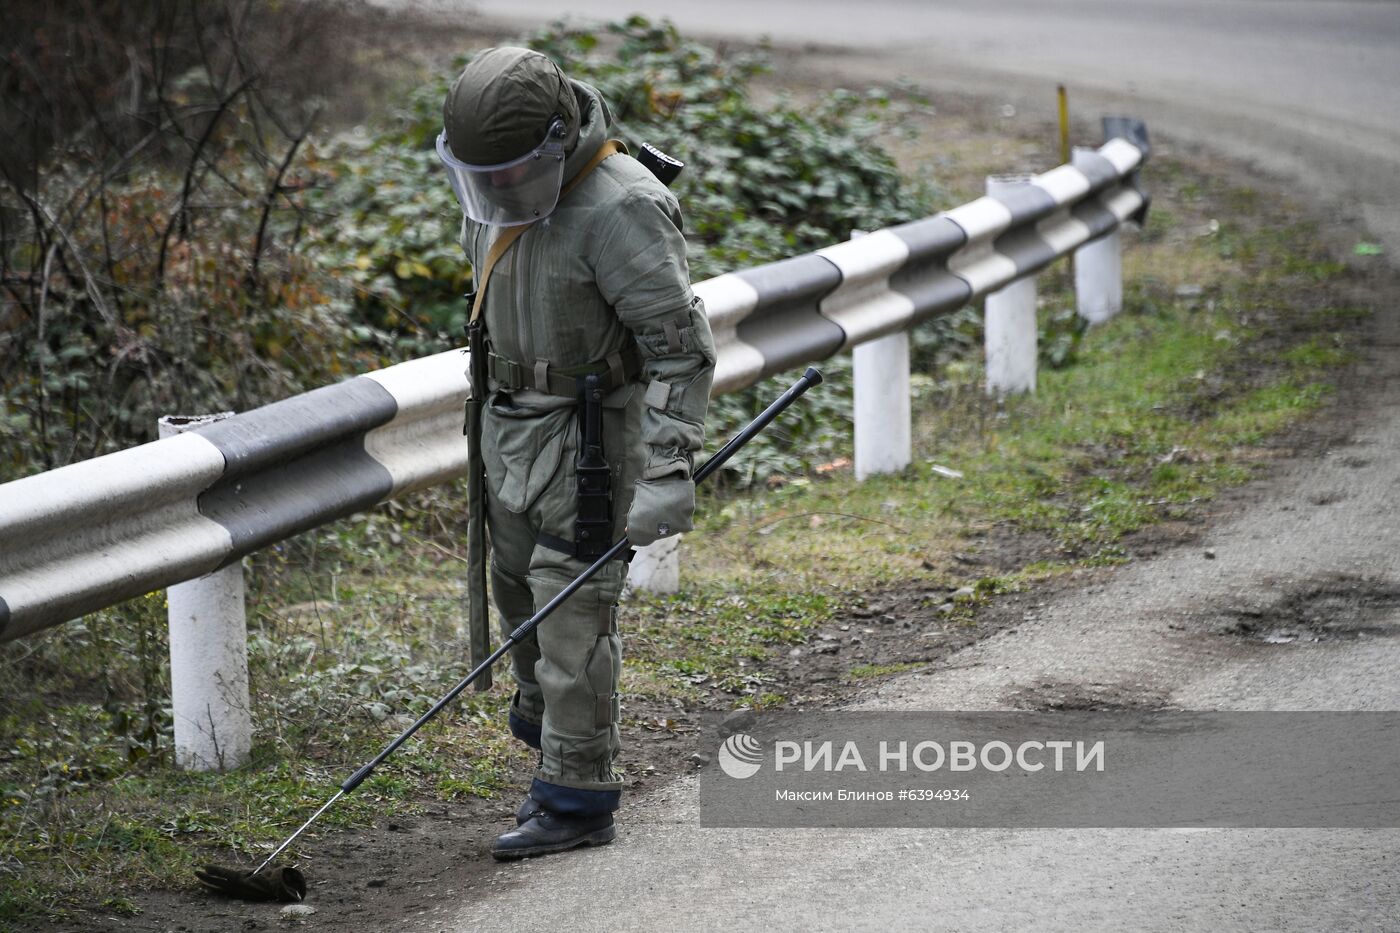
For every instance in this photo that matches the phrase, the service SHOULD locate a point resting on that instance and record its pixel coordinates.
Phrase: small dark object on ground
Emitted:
(280, 884)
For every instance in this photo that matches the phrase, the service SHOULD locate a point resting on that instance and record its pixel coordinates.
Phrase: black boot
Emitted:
(547, 832)
(530, 806)
(529, 809)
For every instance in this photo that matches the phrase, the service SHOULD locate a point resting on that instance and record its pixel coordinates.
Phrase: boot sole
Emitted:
(599, 837)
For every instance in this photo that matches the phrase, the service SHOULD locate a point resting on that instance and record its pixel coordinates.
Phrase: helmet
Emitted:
(509, 120)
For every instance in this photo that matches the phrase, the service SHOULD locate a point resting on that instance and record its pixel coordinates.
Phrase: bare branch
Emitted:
(272, 193)
(180, 216)
(89, 283)
(40, 347)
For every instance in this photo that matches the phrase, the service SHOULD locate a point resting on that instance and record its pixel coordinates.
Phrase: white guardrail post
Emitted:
(882, 407)
(880, 371)
(1098, 266)
(656, 568)
(208, 658)
(1010, 321)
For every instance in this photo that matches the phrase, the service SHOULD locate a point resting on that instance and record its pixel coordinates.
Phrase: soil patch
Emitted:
(1061, 696)
(1331, 608)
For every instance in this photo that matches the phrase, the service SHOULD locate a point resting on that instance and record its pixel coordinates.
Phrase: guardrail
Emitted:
(789, 313)
(93, 534)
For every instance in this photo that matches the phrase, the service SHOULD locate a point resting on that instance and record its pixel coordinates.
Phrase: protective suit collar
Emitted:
(595, 121)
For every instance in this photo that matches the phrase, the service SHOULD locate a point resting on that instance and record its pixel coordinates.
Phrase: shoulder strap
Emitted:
(510, 234)
(610, 148)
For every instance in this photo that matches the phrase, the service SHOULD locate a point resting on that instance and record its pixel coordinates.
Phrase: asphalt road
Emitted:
(1307, 89)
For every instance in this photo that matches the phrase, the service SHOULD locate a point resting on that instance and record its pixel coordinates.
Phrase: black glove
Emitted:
(277, 884)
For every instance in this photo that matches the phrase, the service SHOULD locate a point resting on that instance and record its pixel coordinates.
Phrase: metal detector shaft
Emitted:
(810, 378)
(290, 839)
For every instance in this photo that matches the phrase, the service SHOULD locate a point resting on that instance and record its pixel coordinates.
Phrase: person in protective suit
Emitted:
(597, 353)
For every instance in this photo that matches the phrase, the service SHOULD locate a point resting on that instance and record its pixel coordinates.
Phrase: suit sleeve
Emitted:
(642, 272)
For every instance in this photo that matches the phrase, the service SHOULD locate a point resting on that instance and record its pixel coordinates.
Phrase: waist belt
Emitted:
(614, 370)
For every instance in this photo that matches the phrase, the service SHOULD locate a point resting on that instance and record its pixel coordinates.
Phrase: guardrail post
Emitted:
(1098, 269)
(656, 568)
(1010, 322)
(208, 658)
(883, 438)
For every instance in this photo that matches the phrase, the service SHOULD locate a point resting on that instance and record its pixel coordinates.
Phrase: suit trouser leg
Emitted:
(567, 672)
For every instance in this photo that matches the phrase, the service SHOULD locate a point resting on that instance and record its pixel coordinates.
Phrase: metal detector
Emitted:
(288, 884)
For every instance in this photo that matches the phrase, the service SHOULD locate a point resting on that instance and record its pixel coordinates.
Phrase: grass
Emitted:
(713, 636)
(872, 671)
(356, 628)
(1160, 409)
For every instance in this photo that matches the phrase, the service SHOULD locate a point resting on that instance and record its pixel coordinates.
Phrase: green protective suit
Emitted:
(605, 270)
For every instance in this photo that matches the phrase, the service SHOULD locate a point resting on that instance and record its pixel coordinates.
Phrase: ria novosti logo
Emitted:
(740, 756)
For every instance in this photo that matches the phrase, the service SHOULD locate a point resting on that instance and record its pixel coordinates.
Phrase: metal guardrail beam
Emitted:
(92, 534)
(789, 313)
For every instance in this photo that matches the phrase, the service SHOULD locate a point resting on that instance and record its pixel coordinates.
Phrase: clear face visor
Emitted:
(511, 193)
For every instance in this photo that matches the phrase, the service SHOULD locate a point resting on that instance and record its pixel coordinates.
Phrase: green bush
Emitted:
(152, 212)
